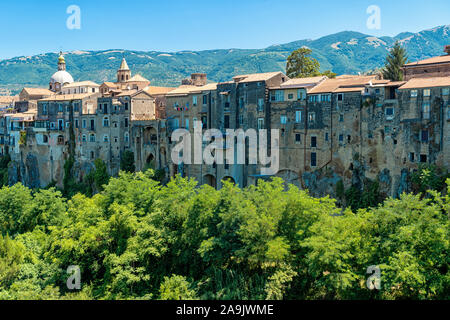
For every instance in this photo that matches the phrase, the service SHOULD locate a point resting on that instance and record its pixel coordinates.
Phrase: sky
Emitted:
(30, 27)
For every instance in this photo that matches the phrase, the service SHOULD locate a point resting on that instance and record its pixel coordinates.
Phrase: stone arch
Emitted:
(230, 179)
(289, 176)
(210, 180)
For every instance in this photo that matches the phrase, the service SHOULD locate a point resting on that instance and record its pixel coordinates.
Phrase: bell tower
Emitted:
(124, 73)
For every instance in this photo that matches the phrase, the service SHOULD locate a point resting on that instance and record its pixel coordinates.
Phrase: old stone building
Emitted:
(352, 128)
(432, 67)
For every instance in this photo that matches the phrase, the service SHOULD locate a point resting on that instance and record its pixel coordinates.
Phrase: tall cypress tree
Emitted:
(395, 60)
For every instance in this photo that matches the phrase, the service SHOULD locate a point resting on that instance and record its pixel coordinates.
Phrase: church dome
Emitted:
(62, 77)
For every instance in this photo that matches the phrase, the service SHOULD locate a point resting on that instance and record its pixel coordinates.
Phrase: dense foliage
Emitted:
(139, 240)
(301, 65)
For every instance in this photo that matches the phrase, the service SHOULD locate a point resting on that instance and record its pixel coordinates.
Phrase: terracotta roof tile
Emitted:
(417, 83)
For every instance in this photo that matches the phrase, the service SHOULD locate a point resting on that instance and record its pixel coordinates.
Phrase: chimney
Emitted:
(447, 49)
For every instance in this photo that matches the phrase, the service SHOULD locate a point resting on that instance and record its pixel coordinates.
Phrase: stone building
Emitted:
(432, 67)
(353, 129)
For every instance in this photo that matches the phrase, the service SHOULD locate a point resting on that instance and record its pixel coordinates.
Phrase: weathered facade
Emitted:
(351, 129)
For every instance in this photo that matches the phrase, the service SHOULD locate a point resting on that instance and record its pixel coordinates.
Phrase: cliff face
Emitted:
(26, 172)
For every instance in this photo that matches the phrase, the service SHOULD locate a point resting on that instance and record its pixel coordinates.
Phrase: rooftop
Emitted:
(255, 77)
(38, 91)
(81, 84)
(185, 90)
(434, 60)
(417, 83)
(344, 83)
(68, 97)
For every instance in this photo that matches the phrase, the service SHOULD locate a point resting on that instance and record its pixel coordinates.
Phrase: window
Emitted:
(445, 91)
(313, 159)
(60, 124)
(127, 137)
(227, 122)
(426, 92)
(187, 123)
(326, 136)
(260, 105)
(340, 97)
(298, 116)
(126, 122)
(325, 98)
(426, 110)
(414, 93)
(241, 119)
(205, 99)
(313, 98)
(92, 124)
(313, 142)
(300, 94)
(60, 108)
(45, 138)
(283, 119)
(92, 137)
(84, 124)
(84, 138)
(76, 123)
(389, 112)
(424, 136)
(260, 123)
(423, 158)
(126, 105)
(341, 118)
(52, 125)
(291, 96)
(279, 95)
(341, 138)
(44, 109)
(105, 138)
(297, 138)
(312, 117)
(106, 122)
(194, 100)
(411, 157)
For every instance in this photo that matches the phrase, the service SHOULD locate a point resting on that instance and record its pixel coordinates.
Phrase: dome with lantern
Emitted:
(61, 77)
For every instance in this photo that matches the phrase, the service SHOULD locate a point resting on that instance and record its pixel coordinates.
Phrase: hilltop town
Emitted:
(351, 128)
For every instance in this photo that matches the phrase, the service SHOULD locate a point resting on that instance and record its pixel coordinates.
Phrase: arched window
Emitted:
(84, 139)
(106, 122)
(105, 138)
(92, 137)
(123, 78)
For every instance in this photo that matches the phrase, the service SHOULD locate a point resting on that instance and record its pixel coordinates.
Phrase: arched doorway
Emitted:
(210, 180)
(150, 136)
(150, 162)
(229, 179)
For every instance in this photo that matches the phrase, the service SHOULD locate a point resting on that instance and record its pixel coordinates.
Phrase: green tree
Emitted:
(127, 162)
(395, 60)
(301, 65)
(176, 288)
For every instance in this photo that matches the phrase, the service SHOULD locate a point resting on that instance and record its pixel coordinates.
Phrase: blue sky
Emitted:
(29, 27)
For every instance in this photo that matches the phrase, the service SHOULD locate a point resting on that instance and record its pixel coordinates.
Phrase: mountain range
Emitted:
(345, 52)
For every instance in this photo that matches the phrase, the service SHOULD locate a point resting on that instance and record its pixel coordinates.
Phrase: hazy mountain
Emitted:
(344, 52)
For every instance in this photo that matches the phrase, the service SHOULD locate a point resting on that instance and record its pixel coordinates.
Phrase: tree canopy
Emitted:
(301, 65)
(138, 239)
(395, 60)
